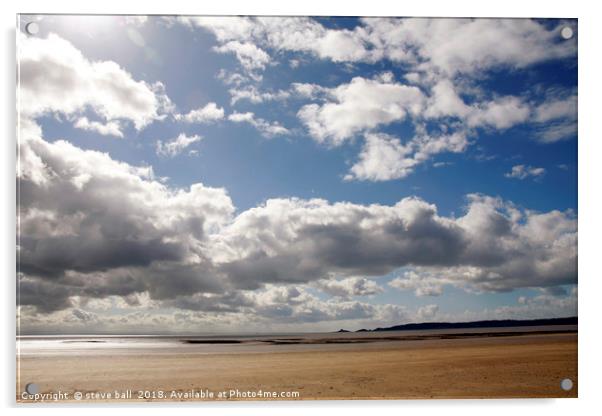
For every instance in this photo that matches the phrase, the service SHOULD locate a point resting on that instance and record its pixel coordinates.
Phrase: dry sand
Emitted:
(506, 367)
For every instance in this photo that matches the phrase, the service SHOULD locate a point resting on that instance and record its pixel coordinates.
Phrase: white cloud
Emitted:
(500, 113)
(224, 28)
(427, 312)
(447, 46)
(558, 131)
(349, 287)
(454, 46)
(445, 101)
(266, 128)
(255, 96)
(557, 118)
(207, 114)
(286, 33)
(250, 56)
(54, 77)
(442, 164)
(233, 78)
(423, 284)
(359, 105)
(111, 128)
(363, 105)
(523, 172)
(383, 157)
(175, 146)
(556, 109)
(294, 304)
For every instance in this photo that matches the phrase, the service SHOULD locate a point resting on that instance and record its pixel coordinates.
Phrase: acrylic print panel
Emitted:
(296, 208)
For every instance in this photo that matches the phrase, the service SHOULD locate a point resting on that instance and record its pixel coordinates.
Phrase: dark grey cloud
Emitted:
(94, 227)
(44, 296)
(52, 256)
(342, 239)
(494, 246)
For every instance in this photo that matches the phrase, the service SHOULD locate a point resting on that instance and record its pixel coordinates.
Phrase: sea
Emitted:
(44, 345)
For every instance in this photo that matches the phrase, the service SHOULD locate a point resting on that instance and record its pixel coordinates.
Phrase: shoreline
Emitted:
(528, 366)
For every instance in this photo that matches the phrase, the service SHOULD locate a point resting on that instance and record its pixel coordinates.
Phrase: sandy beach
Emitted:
(511, 366)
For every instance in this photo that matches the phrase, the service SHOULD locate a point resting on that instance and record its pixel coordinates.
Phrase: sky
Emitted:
(193, 174)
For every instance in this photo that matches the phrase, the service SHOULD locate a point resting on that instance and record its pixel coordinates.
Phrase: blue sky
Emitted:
(471, 122)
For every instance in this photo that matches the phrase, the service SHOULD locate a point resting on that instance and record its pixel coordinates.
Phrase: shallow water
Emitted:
(233, 344)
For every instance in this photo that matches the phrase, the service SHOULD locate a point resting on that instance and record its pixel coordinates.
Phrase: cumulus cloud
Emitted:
(250, 56)
(235, 78)
(266, 128)
(295, 304)
(284, 33)
(111, 128)
(499, 113)
(423, 284)
(442, 44)
(118, 232)
(272, 308)
(359, 105)
(428, 44)
(349, 287)
(176, 146)
(291, 240)
(364, 105)
(494, 246)
(54, 77)
(207, 114)
(383, 157)
(113, 225)
(523, 172)
(254, 95)
(427, 312)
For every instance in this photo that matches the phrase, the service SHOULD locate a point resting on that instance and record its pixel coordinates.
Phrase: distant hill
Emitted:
(478, 324)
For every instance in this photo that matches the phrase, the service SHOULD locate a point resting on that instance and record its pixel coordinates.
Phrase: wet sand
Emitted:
(508, 366)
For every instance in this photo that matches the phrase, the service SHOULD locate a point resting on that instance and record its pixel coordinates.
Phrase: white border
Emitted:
(590, 207)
